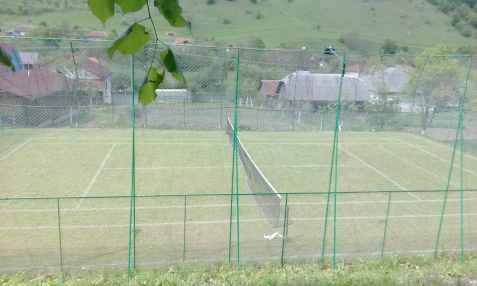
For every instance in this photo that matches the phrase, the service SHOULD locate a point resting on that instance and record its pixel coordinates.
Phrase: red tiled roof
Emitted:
(7, 46)
(270, 87)
(404, 68)
(181, 41)
(21, 29)
(33, 83)
(96, 34)
(92, 65)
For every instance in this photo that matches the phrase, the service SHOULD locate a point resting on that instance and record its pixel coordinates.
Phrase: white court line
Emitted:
(14, 150)
(442, 159)
(380, 173)
(93, 180)
(423, 169)
(225, 167)
(129, 143)
(441, 145)
(181, 222)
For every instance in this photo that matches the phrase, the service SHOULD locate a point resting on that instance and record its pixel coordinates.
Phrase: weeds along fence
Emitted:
(326, 157)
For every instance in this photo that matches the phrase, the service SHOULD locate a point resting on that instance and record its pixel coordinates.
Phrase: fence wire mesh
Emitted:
(375, 159)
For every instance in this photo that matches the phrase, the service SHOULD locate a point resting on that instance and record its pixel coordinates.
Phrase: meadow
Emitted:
(66, 197)
(291, 24)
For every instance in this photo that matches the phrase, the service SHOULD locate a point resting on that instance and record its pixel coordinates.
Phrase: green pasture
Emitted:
(65, 199)
(416, 25)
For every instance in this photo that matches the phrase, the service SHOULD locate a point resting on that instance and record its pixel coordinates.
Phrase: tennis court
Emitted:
(66, 196)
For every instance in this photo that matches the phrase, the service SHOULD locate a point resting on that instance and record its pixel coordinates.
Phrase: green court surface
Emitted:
(65, 199)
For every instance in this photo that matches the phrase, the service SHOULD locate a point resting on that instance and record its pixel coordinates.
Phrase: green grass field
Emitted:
(65, 197)
(415, 24)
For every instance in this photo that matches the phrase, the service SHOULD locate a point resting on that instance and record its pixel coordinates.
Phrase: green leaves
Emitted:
(136, 37)
(129, 6)
(102, 9)
(147, 91)
(6, 60)
(171, 11)
(170, 63)
(131, 41)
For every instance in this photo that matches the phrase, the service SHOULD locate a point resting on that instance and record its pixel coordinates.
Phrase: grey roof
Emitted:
(303, 85)
(392, 77)
(28, 58)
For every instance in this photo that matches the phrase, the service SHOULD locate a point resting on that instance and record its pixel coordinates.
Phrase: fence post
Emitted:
(59, 233)
(184, 236)
(386, 225)
(285, 229)
(132, 207)
(459, 131)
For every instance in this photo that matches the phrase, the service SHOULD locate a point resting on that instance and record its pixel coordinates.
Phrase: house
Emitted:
(6, 34)
(98, 74)
(10, 49)
(28, 59)
(90, 74)
(356, 70)
(322, 88)
(391, 78)
(96, 35)
(20, 31)
(32, 84)
(270, 88)
(182, 41)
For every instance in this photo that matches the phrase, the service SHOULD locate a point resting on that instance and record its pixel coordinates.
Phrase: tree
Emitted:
(389, 47)
(256, 42)
(433, 83)
(136, 37)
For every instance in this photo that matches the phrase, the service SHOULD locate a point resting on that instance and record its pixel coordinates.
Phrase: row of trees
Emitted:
(462, 12)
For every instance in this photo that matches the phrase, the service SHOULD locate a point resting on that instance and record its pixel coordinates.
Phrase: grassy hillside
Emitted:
(366, 24)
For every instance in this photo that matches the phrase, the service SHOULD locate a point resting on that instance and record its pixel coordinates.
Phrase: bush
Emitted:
(466, 31)
(226, 21)
(210, 2)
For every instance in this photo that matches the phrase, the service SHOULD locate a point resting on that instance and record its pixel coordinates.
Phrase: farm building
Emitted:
(319, 89)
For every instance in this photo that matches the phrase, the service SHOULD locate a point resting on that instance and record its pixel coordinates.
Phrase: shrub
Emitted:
(226, 21)
(210, 2)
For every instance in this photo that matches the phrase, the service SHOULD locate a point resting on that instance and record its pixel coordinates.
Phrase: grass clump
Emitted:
(395, 270)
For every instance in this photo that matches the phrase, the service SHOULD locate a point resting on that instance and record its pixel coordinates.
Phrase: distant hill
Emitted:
(352, 25)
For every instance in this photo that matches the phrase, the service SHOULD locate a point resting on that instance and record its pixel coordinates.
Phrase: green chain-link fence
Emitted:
(376, 161)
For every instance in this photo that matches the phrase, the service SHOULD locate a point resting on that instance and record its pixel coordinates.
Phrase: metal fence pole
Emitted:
(132, 213)
(285, 229)
(59, 233)
(386, 225)
(184, 235)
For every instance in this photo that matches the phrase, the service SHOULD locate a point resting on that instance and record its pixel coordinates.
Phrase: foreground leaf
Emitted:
(6, 59)
(147, 91)
(131, 41)
(172, 12)
(129, 6)
(169, 61)
(102, 9)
